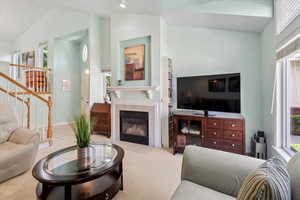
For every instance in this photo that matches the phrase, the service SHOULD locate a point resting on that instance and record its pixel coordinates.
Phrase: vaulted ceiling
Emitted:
(16, 16)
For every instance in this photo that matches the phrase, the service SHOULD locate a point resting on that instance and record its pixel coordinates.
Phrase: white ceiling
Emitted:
(16, 16)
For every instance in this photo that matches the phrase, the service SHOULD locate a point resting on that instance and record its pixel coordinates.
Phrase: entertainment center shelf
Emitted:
(226, 133)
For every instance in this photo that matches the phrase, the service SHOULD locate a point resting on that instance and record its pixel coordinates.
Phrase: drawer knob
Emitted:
(232, 125)
(215, 123)
(233, 135)
(215, 142)
(202, 136)
(215, 133)
(233, 145)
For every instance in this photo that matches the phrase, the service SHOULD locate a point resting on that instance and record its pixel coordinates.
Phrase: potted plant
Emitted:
(83, 128)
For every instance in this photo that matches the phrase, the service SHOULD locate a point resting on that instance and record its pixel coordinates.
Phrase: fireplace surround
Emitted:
(154, 136)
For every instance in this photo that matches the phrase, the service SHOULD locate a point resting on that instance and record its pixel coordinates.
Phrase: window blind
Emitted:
(286, 12)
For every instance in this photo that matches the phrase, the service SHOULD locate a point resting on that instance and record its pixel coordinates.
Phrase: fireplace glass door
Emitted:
(134, 127)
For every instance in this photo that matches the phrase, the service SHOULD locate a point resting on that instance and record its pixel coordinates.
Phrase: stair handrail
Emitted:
(27, 103)
(30, 67)
(47, 101)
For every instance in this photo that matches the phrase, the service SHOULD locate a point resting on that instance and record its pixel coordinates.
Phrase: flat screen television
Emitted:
(210, 93)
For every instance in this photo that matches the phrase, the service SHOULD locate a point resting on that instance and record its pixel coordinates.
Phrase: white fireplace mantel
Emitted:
(148, 90)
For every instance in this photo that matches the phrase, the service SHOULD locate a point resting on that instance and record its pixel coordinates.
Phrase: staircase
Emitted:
(28, 89)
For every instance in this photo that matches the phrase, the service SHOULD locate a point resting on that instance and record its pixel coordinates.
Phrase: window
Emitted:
(289, 103)
(286, 12)
(84, 53)
(107, 85)
(43, 55)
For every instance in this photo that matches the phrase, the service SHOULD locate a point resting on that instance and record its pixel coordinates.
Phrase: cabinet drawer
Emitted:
(233, 135)
(102, 128)
(214, 123)
(214, 133)
(100, 116)
(214, 143)
(233, 146)
(233, 124)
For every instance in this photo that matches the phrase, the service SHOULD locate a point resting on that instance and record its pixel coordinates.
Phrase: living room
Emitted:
(161, 99)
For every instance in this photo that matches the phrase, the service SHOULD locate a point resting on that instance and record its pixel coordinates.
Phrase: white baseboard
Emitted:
(63, 123)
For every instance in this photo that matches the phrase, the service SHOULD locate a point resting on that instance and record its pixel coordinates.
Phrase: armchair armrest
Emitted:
(24, 136)
(218, 170)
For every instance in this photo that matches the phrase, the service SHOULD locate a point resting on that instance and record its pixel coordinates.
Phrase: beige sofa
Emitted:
(215, 175)
(18, 153)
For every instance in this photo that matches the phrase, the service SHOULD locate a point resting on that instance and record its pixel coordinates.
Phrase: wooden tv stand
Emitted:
(226, 133)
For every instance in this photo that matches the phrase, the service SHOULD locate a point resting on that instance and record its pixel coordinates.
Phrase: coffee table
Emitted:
(60, 177)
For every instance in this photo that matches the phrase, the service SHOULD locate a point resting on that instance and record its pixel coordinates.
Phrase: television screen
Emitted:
(213, 93)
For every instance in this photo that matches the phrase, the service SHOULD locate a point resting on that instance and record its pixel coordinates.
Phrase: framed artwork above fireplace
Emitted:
(135, 66)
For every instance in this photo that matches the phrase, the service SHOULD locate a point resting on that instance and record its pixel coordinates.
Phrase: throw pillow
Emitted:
(6, 130)
(270, 181)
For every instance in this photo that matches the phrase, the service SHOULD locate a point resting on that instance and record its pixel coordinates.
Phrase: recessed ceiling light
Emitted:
(123, 4)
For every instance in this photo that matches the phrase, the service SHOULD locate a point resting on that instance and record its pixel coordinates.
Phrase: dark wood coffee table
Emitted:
(60, 178)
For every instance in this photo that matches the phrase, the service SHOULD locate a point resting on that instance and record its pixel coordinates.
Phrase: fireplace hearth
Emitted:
(134, 127)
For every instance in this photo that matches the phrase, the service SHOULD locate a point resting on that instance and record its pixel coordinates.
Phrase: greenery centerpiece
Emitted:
(83, 128)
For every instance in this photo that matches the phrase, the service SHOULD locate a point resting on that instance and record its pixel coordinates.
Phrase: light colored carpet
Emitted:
(149, 173)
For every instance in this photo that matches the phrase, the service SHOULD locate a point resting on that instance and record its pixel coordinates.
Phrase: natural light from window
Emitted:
(289, 104)
(294, 103)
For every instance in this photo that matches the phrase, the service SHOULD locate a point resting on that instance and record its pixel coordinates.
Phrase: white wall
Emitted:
(56, 23)
(66, 103)
(105, 37)
(202, 51)
(268, 45)
(96, 78)
(126, 27)
(5, 50)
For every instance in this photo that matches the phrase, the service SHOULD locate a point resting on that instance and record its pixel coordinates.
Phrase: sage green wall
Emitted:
(268, 42)
(66, 67)
(203, 51)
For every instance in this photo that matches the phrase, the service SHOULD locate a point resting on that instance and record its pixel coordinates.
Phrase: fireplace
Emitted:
(134, 127)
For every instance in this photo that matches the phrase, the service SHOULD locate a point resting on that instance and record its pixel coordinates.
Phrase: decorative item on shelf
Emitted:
(82, 128)
(194, 132)
(185, 130)
(107, 98)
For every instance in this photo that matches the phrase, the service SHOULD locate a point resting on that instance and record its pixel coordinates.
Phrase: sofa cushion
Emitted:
(191, 191)
(15, 159)
(22, 136)
(270, 181)
(6, 130)
(10, 150)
